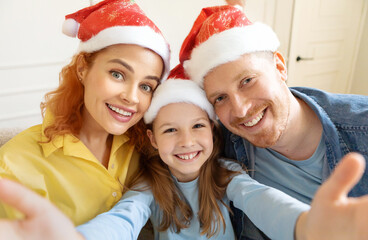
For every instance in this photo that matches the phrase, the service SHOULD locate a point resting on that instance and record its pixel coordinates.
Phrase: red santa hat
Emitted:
(222, 34)
(178, 88)
(112, 22)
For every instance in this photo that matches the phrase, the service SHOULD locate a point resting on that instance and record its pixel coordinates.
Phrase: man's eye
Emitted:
(219, 99)
(245, 81)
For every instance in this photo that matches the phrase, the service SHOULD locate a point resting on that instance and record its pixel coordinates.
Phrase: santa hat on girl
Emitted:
(112, 22)
(222, 34)
(178, 88)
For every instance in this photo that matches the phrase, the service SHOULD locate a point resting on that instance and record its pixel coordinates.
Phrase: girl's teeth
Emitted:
(187, 157)
(120, 111)
(254, 121)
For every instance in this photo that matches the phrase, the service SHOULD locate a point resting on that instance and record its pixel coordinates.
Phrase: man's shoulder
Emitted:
(340, 108)
(327, 99)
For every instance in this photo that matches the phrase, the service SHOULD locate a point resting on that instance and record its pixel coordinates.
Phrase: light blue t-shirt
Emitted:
(272, 210)
(299, 179)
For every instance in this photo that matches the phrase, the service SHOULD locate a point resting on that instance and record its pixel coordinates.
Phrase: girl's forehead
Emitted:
(180, 112)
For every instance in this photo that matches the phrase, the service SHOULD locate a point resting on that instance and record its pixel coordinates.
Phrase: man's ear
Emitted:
(280, 65)
(81, 68)
(152, 138)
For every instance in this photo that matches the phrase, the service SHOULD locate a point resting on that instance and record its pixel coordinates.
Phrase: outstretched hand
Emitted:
(42, 219)
(333, 214)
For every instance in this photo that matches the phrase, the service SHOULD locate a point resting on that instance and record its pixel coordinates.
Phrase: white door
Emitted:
(324, 43)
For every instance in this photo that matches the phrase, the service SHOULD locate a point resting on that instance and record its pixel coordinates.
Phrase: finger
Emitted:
(21, 198)
(344, 177)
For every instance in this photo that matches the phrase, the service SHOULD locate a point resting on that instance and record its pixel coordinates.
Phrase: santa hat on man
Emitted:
(222, 34)
(112, 22)
(178, 89)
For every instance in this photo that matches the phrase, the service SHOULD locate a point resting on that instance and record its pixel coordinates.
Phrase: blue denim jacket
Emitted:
(345, 129)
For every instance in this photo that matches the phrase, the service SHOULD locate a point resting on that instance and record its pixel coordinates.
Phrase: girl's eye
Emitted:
(198, 125)
(146, 88)
(117, 75)
(170, 130)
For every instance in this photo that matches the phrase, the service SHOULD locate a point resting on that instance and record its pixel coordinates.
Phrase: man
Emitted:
(289, 138)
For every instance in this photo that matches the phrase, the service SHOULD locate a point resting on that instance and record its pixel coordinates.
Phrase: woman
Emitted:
(88, 145)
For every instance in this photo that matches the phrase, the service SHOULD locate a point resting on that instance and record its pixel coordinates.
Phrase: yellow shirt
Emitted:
(67, 173)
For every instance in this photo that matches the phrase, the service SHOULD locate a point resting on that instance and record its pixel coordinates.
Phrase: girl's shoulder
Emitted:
(231, 164)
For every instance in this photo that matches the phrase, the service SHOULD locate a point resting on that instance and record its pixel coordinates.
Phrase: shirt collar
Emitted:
(71, 145)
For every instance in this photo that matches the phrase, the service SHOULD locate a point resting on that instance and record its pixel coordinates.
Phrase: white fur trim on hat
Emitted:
(139, 35)
(176, 91)
(228, 46)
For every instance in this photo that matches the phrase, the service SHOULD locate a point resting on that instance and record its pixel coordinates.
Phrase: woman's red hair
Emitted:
(67, 101)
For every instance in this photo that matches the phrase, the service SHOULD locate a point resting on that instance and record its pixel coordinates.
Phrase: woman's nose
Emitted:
(130, 93)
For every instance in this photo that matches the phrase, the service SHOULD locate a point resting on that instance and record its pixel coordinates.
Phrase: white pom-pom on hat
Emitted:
(70, 27)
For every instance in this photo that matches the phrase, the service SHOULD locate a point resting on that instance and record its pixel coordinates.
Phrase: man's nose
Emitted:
(239, 106)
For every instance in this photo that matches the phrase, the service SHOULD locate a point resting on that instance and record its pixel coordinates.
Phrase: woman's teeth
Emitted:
(120, 111)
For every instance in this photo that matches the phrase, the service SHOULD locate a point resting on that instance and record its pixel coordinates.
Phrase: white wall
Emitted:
(175, 18)
(32, 52)
(360, 78)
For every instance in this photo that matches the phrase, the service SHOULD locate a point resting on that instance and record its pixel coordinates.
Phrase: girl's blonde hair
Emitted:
(67, 101)
(177, 214)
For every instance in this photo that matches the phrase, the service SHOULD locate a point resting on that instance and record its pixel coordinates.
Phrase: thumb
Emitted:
(347, 173)
(21, 198)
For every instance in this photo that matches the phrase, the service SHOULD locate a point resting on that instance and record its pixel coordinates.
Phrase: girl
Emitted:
(183, 185)
(88, 145)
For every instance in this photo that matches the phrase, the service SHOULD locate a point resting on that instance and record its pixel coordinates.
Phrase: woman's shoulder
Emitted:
(16, 138)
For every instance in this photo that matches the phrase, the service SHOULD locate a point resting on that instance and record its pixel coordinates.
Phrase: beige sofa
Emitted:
(7, 133)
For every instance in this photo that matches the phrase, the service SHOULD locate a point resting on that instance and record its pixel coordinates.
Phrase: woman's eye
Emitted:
(116, 75)
(146, 88)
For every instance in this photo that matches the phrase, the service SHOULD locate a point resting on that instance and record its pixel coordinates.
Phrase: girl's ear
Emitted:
(81, 68)
(152, 138)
